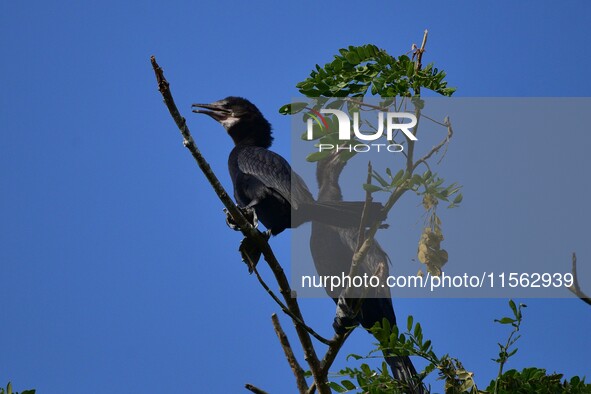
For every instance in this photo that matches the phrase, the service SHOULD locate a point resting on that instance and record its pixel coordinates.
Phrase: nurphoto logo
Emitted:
(344, 124)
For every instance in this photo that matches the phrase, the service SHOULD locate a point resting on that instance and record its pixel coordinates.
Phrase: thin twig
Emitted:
(254, 389)
(437, 147)
(575, 288)
(247, 229)
(434, 121)
(303, 335)
(368, 201)
(286, 310)
(164, 88)
(411, 144)
(291, 359)
(419, 52)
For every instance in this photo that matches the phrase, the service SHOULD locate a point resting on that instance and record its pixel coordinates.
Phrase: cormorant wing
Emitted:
(274, 172)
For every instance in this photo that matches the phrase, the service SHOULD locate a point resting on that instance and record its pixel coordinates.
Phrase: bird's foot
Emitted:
(248, 213)
(345, 318)
(250, 252)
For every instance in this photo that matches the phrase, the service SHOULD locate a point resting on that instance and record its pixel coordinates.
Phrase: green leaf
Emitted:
(348, 385)
(361, 380)
(385, 371)
(316, 156)
(409, 323)
(352, 58)
(397, 178)
(336, 387)
(512, 352)
(355, 356)
(380, 179)
(418, 331)
(292, 108)
(513, 307)
(505, 320)
(369, 187)
(468, 384)
(429, 368)
(366, 369)
(416, 179)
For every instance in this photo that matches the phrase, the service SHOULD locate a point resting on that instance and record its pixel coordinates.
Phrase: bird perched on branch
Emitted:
(332, 251)
(264, 181)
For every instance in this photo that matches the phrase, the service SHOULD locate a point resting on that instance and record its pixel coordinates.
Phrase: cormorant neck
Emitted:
(328, 172)
(252, 133)
(330, 192)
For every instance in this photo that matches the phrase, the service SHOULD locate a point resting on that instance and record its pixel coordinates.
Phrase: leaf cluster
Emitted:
(537, 380)
(504, 352)
(412, 343)
(359, 70)
(366, 380)
(429, 185)
(8, 390)
(456, 378)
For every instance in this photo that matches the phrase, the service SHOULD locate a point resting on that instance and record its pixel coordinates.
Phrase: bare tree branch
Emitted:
(291, 359)
(286, 310)
(164, 88)
(363, 104)
(411, 144)
(575, 288)
(333, 350)
(247, 229)
(418, 53)
(437, 147)
(368, 201)
(254, 389)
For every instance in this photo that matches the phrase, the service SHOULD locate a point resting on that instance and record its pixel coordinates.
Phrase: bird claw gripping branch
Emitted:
(248, 213)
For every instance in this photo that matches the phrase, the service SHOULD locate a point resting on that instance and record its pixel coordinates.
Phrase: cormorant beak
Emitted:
(215, 110)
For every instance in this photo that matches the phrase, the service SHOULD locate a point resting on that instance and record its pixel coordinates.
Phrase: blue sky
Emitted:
(118, 272)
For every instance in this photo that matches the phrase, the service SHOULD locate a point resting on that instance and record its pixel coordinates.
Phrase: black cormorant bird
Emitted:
(264, 181)
(332, 250)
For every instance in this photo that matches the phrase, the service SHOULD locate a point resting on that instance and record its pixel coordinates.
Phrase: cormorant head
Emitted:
(328, 172)
(241, 119)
